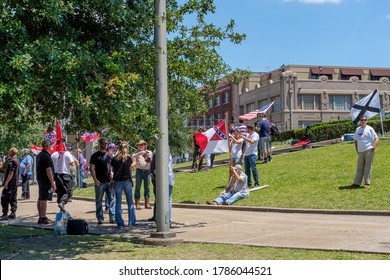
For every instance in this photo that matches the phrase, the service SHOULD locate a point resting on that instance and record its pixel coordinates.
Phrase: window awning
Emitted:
(380, 72)
(352, 72)
(325, 71)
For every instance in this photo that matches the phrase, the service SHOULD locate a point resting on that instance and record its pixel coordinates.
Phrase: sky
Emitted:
(352, 33)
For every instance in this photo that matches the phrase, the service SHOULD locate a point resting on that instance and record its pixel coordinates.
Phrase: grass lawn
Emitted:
(23, 243)
(316, 178)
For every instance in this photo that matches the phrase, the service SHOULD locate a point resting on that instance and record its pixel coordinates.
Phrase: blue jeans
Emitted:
(142, 175)
(230, 197)
(80, 180)
(26, 185)
(99, 192)
(127, 187)
(250, 164)
(169, 205)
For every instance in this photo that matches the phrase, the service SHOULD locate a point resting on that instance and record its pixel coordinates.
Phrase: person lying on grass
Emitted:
(236, 189)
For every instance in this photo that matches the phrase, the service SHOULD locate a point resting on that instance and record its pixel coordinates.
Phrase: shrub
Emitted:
(330, 130)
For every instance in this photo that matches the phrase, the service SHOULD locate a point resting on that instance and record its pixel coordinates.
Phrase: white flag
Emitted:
(214, 140)
(368, 106)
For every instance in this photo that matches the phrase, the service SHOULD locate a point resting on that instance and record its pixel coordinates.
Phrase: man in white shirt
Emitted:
(366, 141)
(252, 141)
(63, 161)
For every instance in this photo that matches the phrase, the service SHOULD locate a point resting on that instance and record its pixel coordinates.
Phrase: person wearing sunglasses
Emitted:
(366, 141)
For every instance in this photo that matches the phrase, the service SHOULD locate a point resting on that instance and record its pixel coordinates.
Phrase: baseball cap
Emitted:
(112, 145)
(238, 167)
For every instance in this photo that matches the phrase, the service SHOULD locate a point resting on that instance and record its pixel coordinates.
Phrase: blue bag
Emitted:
(61, 223)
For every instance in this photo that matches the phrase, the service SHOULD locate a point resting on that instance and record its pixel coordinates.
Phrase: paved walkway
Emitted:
(362, 232)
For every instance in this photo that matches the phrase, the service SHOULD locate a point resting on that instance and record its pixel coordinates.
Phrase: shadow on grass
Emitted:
(23, 243)
(350, 188)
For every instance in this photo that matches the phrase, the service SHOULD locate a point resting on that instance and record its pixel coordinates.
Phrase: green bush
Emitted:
(330, 130)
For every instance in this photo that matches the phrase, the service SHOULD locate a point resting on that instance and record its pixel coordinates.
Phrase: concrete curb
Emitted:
(268, 209)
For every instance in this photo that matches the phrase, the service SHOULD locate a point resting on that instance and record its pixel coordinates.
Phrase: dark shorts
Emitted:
(44, 188)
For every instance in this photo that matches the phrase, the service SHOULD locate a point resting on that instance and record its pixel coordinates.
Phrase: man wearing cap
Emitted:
(236, 189)
(26, 167)
(46, 181)
(252, 140)
(142, 157)
(64, 162)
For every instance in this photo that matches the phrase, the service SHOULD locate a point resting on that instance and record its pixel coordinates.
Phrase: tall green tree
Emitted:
(92, 62)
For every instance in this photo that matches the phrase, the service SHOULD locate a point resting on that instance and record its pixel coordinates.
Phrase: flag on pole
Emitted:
(368, 106)
(90, 136)
(251, 115)
(59, 146)
(35, 149)
(214, 140)
(51, 135)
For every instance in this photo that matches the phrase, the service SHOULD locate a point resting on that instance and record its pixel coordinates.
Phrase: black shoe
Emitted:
(45, 221)
(225, 203)
(12, 216)
(152, 219)
(4, 217)
(100, 222)
(256, 185)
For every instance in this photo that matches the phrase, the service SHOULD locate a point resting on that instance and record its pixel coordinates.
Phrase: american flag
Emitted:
(251, 115)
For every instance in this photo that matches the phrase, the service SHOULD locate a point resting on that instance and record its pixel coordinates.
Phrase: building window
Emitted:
(218, 117)
(309, 102)
(217, 100)
(242, 110)
(250, 107)
(276, 106)
(225, 97)
(210, 103)
(340, 102)
(211, 120)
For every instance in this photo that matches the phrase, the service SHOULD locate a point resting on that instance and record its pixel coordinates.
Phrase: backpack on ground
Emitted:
(77, 227)
(274, 129)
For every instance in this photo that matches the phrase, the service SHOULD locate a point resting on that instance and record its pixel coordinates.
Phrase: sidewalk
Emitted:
(361, 231)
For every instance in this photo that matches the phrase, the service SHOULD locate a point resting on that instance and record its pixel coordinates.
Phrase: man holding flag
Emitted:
(366, 141)
(62, 160)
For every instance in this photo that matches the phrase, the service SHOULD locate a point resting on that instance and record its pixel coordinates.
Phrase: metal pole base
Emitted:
(163, 239)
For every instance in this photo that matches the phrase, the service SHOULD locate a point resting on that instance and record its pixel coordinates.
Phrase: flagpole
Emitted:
(78, 158)
(229, 143)
(380, 116)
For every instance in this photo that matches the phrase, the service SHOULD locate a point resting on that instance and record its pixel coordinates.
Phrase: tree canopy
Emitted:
(91, 62)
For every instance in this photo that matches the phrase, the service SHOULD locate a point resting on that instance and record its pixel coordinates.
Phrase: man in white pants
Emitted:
(366, 141)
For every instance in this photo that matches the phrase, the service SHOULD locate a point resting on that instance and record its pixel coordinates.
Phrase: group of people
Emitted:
(111, 171)
(111, 168)
(244, 141)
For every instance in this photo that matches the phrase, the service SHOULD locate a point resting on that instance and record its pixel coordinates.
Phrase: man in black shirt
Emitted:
(100, 167)
(11, 181)
(46, 182)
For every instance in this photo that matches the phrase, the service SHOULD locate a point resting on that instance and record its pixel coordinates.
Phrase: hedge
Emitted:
(329, 130)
